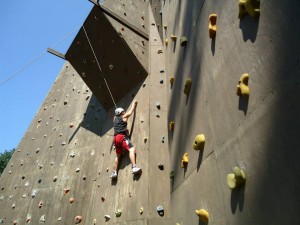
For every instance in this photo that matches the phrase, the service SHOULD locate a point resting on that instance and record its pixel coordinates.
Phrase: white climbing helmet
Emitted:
(118, 111)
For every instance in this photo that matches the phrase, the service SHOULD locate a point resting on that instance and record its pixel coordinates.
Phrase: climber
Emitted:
(121, 138)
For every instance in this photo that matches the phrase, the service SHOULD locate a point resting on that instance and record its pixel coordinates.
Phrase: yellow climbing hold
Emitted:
(203, 215)
(187, 86)
(173, 37)
(212, 25)
(199, 142)
(235, 179)
(183, 41)
(185, 160)
(249, 6)
(166, 42)
(242, 87)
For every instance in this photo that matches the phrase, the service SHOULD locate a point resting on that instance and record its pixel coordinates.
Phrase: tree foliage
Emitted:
(4, 159)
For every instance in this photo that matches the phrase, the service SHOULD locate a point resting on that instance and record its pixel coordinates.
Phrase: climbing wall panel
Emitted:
(120, 67)
(137, 43)
(135, 13)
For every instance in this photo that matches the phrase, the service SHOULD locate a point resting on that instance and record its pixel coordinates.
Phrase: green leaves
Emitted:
(4, 159)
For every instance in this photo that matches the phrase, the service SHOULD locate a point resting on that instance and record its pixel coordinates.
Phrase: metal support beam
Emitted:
(52, 51)
(116, 17)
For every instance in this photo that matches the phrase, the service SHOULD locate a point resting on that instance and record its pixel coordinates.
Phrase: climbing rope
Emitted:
(99, 67)
(35, 59)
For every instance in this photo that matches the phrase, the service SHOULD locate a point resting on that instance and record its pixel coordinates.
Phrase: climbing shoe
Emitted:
(114, 175)
(136, 170)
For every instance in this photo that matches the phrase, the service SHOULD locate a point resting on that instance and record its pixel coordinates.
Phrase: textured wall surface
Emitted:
(260, 134)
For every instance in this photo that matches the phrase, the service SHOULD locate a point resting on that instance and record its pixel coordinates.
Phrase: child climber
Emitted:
(121, 139)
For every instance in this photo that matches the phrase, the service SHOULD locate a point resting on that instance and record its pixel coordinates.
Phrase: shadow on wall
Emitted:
(249, 27)
(185, 68)
(277, 190)
(98, 120)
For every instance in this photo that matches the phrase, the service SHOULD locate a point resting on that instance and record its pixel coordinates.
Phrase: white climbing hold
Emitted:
(107, 217)
(63, 143)
(77, 170)
(59, 218)
(54, 178)
(27, 184)
(24, 196)
(43, 219)
(52, 163)
(9, 172)
(111, 67)
(33, 194)
(13, 205)
(72, 155)
(37, 150)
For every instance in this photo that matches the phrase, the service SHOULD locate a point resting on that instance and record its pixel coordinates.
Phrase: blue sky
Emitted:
(28, 28)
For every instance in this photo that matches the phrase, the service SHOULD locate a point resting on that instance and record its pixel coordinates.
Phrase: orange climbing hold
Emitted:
(78, 219)
(71, 200)
(212, 25)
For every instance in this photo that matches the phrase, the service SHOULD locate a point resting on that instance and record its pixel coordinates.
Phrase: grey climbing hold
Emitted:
(107, 217)
(118, 213)
(161, 166)
(157, 105)
(160, 210)
(111, 67)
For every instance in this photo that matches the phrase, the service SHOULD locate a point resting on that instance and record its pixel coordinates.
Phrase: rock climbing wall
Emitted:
(223, 78)
(258, 134)
(60, 172)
